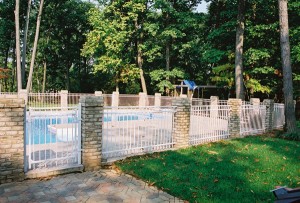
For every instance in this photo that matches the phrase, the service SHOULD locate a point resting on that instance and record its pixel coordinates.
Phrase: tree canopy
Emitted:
(85, 46)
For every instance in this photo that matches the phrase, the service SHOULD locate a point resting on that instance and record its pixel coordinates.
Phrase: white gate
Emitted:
(209, 123)
(53, 137)
(135, 130)
(252, 119)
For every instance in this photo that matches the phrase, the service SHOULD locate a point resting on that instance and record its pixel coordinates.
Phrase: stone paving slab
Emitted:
(104, 186)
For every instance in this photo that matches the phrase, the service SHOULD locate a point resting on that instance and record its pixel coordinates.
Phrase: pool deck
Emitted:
(104, 186)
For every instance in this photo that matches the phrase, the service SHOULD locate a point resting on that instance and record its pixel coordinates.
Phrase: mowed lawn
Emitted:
(239, 170)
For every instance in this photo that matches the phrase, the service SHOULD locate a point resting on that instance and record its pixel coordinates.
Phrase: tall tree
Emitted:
(18, 51)
(286, 66)
(239, 79)
(24, 48)
(36, 39)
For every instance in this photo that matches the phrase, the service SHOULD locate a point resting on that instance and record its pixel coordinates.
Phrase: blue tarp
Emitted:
(191, 84)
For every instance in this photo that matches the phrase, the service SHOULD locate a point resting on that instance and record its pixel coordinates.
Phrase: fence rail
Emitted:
(135, 130)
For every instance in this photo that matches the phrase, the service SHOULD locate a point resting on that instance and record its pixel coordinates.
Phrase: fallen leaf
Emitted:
(212, 152)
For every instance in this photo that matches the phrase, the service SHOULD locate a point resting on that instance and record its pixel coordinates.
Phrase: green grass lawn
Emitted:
(239, 170)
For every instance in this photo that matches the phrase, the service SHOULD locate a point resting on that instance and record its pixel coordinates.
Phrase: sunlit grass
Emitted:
(239, 170)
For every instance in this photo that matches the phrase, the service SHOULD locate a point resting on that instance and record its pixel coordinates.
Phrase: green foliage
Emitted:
(162, 78)
(224, 75)
(239, 170)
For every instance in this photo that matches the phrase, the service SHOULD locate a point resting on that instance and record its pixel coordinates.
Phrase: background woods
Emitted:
(147, 46)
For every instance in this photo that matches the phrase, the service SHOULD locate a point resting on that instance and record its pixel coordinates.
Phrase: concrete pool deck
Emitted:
(104, 186)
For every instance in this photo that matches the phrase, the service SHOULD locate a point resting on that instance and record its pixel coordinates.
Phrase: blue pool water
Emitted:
(37, 131)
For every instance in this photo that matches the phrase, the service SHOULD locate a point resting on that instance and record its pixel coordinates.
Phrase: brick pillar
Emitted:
(181, 122)
(64, 98)
(91, 132)
(234, 118)
(214, 101)
(269, 103)
(157, 101)
(11, 140)
(142, 99)
(22, 94)
(115, 99)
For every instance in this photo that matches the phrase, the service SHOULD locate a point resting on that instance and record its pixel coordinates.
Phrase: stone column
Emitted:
(214, 101)
(11, 140)
(255, 101)
(23, 95)
(115, 99)
(235, 117)
(181, 122)
(98, 93)
(142, 99)
(64, 98)
(157, 101)
(91, 132)
(269, 103)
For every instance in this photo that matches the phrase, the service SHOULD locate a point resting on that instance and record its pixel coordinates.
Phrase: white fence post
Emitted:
(214, 100)
(115, 99)
(142, 99)
(64, 98)
(157, 101)
(98, 93)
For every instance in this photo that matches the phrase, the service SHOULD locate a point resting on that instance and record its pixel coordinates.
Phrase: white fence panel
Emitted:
(53, 137)
(135, 130)
(252, 119)
(278, 116)
(208, 123)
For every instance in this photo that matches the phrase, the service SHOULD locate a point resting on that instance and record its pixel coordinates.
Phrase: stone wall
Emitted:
(11, 140)
(91, 132)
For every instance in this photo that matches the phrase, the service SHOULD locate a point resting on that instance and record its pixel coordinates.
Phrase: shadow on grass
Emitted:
(241, 170)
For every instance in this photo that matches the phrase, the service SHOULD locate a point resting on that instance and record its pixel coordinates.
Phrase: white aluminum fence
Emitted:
(278, 116)
(53, 137)
(200, 101)
(73, 98)
(135, 130)
(42, 100)
(208, 123)
(252, 119)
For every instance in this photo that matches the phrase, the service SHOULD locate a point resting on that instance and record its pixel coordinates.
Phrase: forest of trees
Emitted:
(146, 46)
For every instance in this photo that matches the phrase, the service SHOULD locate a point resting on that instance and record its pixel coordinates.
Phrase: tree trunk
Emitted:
(36, 38)
(167, 56)
(290, 118)
(13, 72)
(140, 59)
(239, 83)
(25, 44)
(44, 77)
(18, 52)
